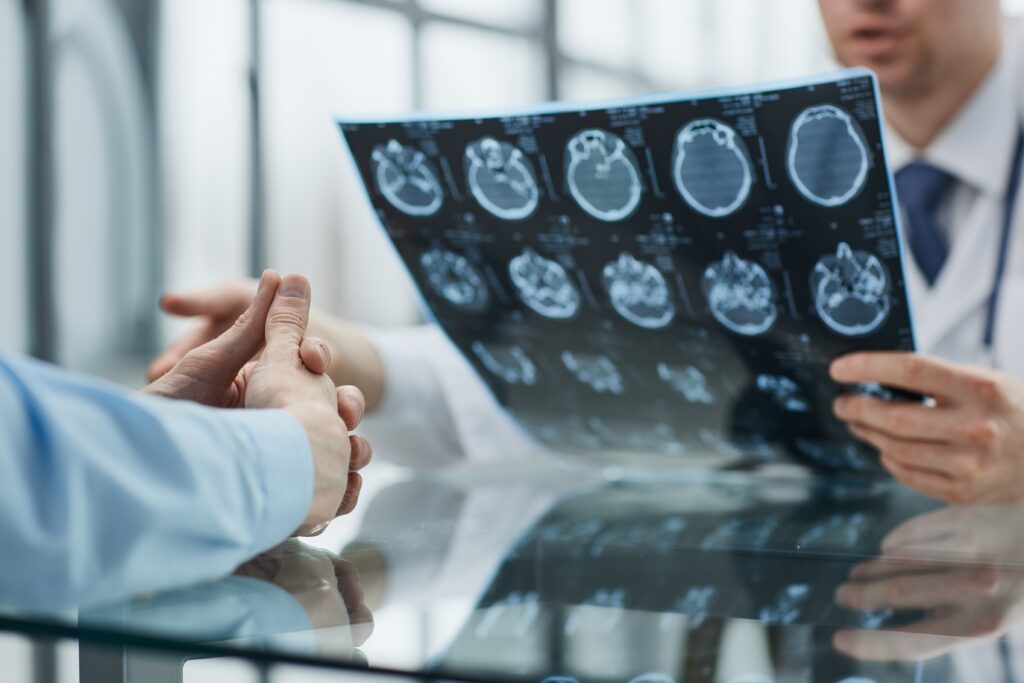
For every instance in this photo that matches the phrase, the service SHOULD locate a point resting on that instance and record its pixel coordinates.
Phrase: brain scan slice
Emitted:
(501, 178)
(784, 392)
(406, 180)
(711, 168)
(603, 175)
(787, 605)
(597, 372)
(740, 295)
(638, 292)
(688, 381)
(544, 285)
(827, 159)
(852, 291)
(454, 278)
(510, 363)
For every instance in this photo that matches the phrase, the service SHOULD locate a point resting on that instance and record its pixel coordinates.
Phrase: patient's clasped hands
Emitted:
(264, 361)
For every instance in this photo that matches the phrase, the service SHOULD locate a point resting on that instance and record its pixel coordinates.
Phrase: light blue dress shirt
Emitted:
(106, 494)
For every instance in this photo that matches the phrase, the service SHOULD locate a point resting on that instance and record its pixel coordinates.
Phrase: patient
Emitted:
(105, 494)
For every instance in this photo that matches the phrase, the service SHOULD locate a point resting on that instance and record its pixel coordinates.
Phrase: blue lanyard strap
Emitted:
(1012, 191)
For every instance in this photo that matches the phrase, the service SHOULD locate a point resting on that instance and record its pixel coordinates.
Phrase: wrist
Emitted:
(355, 359)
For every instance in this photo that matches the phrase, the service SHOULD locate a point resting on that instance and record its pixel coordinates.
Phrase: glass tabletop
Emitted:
(566, 576)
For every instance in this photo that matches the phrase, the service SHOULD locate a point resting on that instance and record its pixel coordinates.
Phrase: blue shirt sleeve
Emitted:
(106, 494)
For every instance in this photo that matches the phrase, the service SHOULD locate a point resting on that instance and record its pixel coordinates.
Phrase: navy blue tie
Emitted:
(921, 188)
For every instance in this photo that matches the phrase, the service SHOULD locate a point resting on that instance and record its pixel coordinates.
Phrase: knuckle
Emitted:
(287, 318)
(967, 470)
(988, 389)
(914, 369)
(895, 421)
(982, 435)
(242, 321)
(894, 590)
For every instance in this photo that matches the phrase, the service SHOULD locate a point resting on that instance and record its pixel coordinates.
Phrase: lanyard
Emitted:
(1012, 191)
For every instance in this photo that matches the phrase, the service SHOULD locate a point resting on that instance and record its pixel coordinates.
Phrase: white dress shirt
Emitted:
(105, 494)
(437, 410)
(977, 148)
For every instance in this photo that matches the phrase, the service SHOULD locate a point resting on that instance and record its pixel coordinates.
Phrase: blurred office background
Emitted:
(149, 145)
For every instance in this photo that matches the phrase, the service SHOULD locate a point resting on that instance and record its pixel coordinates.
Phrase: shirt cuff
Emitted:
(284, 458)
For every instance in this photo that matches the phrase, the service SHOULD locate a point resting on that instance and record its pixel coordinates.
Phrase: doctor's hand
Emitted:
(960, 601)
(214, 374)
(355, 360)
(279, 379)
(965, 445)
(960, 564)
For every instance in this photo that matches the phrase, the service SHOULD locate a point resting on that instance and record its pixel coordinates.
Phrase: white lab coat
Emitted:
(436, 410)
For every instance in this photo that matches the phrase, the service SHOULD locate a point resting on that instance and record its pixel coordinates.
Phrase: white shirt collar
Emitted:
(978, 144)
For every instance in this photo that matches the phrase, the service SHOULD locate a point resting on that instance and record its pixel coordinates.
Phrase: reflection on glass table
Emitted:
(556, 575)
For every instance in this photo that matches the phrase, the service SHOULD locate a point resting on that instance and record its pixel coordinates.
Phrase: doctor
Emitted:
(950, 73)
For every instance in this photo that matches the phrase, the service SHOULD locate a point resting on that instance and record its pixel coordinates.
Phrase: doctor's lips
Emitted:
(874, 39)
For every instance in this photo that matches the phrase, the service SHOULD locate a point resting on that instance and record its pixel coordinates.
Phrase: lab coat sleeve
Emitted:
(414, 424)
(104, 494)
(435, 409)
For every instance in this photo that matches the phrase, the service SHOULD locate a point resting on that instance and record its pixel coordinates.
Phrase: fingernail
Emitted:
(356, 407)
(839, 367)
(325, 353)
(294, 286)
(842, 595)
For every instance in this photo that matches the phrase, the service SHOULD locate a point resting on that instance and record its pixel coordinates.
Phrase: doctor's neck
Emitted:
(921, 107)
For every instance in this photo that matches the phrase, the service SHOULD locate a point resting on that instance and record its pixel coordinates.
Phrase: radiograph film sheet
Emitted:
(667, 276)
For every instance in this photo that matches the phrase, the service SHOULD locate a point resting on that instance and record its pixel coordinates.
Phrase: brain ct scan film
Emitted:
(406, 179)
(500, 177)
(740, 295)
(711, 169)
(827, 159)
(456, 279)
(669, 276)
(543, 285)
(639, 292)
(507, 362)
(851, 291)
(597, 372)
(603, 175)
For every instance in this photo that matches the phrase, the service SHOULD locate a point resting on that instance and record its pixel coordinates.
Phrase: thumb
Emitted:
(288, 318)
(244, 339)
